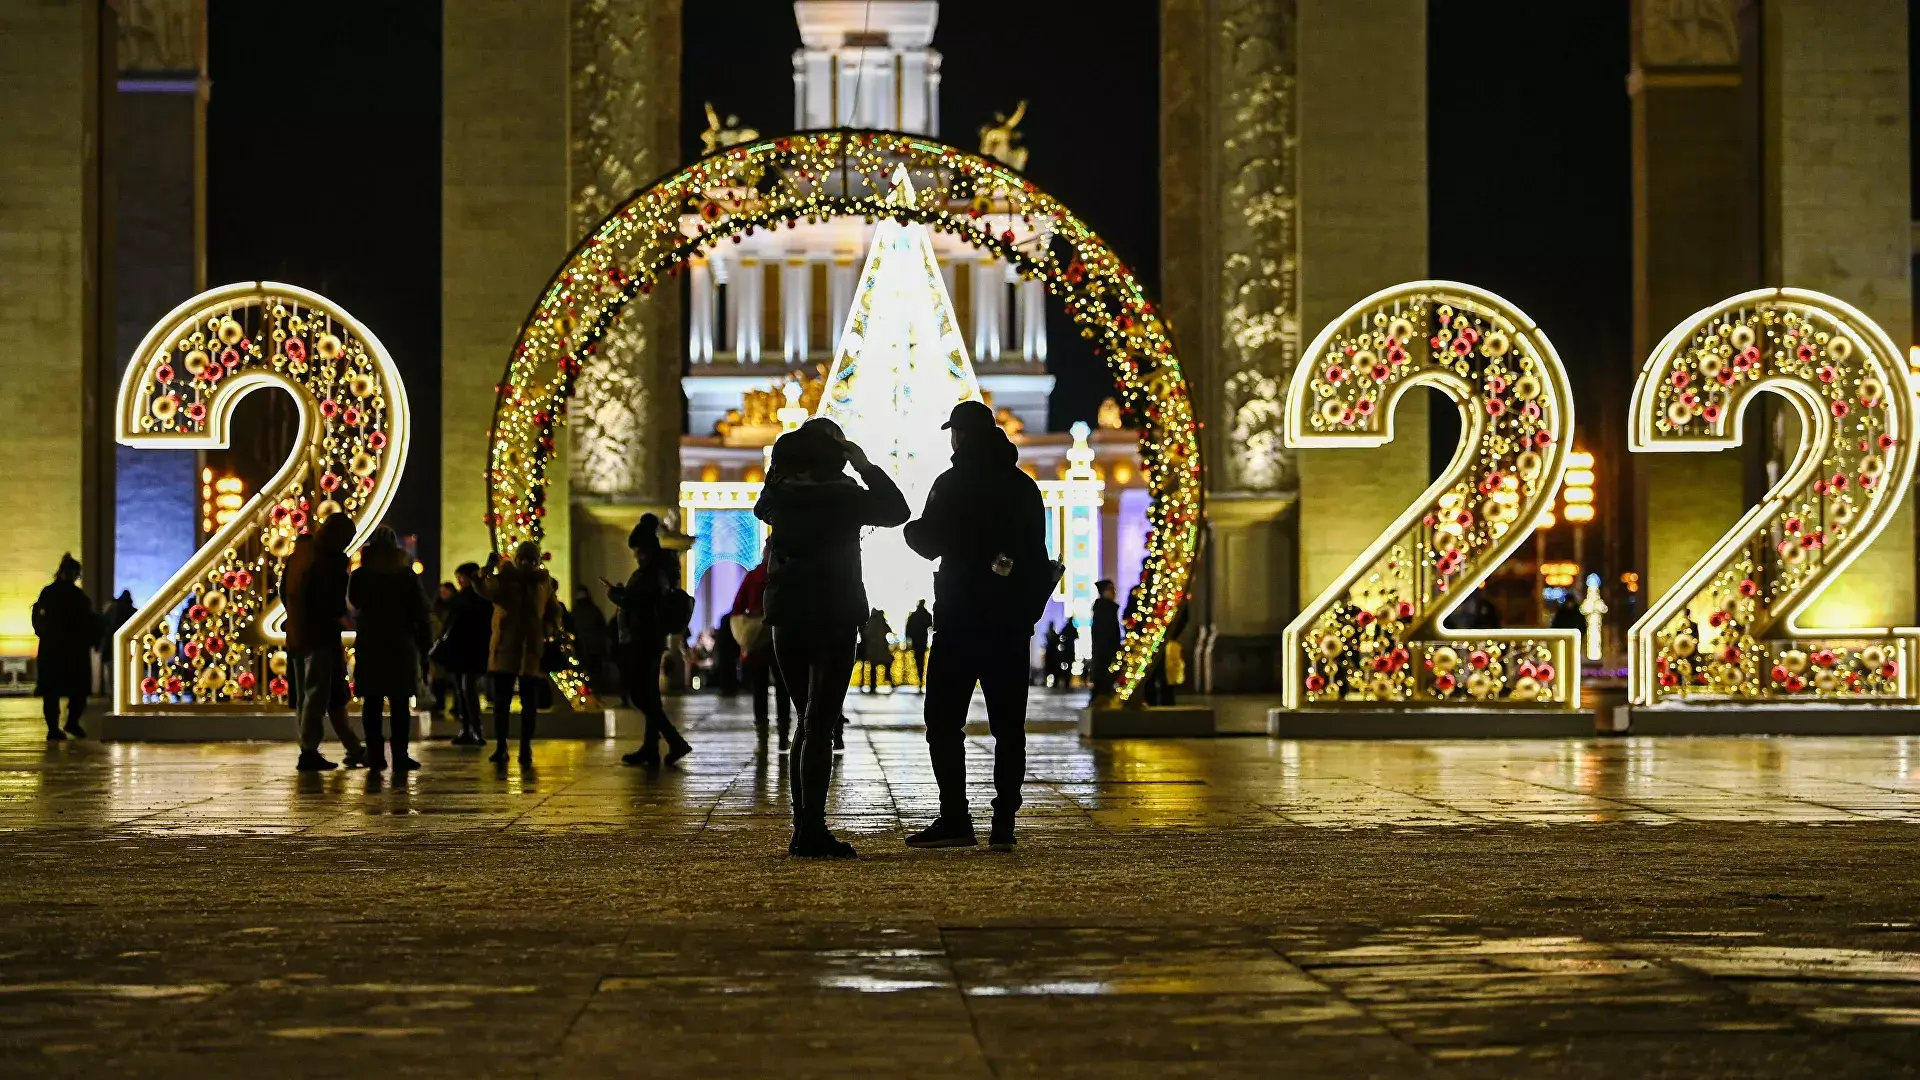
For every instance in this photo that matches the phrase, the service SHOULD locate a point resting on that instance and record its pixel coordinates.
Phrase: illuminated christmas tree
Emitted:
(899, 368)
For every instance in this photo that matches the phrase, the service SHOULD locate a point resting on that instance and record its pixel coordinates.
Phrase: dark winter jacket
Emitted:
(813, 551)
(390, 626)
(919, 626)
(465, 632)
(980, 509)
(315, 592)
(68, 629)
(1106, 629)
(642, 601)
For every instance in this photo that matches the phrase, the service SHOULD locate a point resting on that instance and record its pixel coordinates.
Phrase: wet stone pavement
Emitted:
(1223, 907)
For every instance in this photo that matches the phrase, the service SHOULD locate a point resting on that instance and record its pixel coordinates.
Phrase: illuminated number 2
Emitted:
(1377, 635)
(207, 639)
(1728, 629)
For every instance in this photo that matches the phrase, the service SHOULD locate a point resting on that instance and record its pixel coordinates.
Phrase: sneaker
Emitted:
(677, 753)
(311, 761)
(820, 845)
(1001, 838)
(465, 738)
(644, 758)
(74, 729)
(945, 832)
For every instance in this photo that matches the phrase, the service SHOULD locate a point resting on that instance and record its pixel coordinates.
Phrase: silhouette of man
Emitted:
(985, 522)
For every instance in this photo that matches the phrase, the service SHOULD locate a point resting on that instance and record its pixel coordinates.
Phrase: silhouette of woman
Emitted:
(815, 601)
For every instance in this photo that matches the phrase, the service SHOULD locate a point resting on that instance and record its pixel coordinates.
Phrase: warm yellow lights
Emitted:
(1560, 574)
(769, 183)
(207, 640)
(1579, 513)
(1377, 635)
(1729, 630)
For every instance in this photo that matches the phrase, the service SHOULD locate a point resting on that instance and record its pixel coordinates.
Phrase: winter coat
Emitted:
(467, 631)
(390, 624)
(978, 510)
(874, 647)
(813, 550)
(1106, 628)
(314, 590)
(919, 626)
(642, 601)
(68, 628)
(525, 613)
(750, 599)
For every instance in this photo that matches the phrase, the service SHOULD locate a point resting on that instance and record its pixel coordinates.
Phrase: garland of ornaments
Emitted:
(1725, 631)
(204, 638)
(1374, 636)
(813, 176)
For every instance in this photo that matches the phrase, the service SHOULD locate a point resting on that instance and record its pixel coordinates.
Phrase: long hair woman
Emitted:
(815, 601)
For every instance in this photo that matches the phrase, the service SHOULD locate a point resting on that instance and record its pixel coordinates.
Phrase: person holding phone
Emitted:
(815, 600)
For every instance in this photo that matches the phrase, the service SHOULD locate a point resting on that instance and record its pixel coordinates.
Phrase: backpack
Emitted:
(676, 611)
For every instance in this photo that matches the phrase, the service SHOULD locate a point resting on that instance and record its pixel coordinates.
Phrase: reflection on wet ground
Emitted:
(883, 784)
(1224, 907)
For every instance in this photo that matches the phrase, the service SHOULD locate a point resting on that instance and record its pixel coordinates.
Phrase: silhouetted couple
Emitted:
(984, 521)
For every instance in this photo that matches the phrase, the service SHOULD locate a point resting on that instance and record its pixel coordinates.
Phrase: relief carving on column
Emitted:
(158, 35)
(1259, 294)
(624, 115)
(1689, 33)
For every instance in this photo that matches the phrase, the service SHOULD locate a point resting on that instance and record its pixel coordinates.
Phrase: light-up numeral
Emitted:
(208, 638)
(1377, 635)
(1728, 629)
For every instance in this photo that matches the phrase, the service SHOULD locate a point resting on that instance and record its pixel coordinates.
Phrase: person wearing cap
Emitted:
(642, 613)
(985, 522)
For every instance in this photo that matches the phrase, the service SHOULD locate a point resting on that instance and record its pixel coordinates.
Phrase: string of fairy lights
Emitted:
(1726, 629)
(812, 176)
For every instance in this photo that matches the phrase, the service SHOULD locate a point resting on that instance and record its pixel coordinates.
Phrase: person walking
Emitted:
(749, 621)
(525, 614)
(68, 630)
(1069, 651)
(390, 623)
(466, 637)
(111, 620)
(985, 522)
(314, 589)
(1106, 641)
(877, 650)
(918, 629)
(815, 600)
(645, 621)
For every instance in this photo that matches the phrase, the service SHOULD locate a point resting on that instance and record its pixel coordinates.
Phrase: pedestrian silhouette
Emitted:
(748, 621)
(1069, 650)
(526, 613)
(919, 628)
(589, 633)
(68, 629)
(390, 627)
(314, 590)
(985, 522)
(111, 620)
(645, 623)
(1106, 640)
(877, 650)
(815, 600)
(466, 635)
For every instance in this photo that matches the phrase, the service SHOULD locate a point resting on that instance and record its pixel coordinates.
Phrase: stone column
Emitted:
(1696, 240)
(1293, 139)
(505, 226)
(50, 298)
(1838, 216)
(624, 116)
(156, 150)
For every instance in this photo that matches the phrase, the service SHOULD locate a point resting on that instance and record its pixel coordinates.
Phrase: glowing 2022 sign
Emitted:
(1729, 630)
(209, 640)
(1376, 636)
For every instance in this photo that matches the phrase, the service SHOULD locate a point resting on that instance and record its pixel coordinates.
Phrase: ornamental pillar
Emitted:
(1838, 220)
(52, 58)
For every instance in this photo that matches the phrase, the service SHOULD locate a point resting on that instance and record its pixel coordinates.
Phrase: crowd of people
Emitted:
(798, 627)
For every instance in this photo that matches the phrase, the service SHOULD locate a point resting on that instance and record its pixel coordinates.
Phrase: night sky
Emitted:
(324, 167)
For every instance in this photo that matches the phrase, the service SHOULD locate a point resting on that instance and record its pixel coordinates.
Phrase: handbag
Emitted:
(748, 630)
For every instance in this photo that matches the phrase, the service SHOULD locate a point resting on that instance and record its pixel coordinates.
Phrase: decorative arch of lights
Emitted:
(815, 175)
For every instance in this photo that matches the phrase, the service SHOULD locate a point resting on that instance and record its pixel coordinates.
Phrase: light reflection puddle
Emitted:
(129, 991)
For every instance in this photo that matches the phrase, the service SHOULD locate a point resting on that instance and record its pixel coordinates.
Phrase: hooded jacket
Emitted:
(981, 508)
(813, 551)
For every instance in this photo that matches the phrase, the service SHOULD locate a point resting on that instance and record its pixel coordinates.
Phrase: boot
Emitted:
(376, 754)
(500, 736)
(401, 762)
(526, 738)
